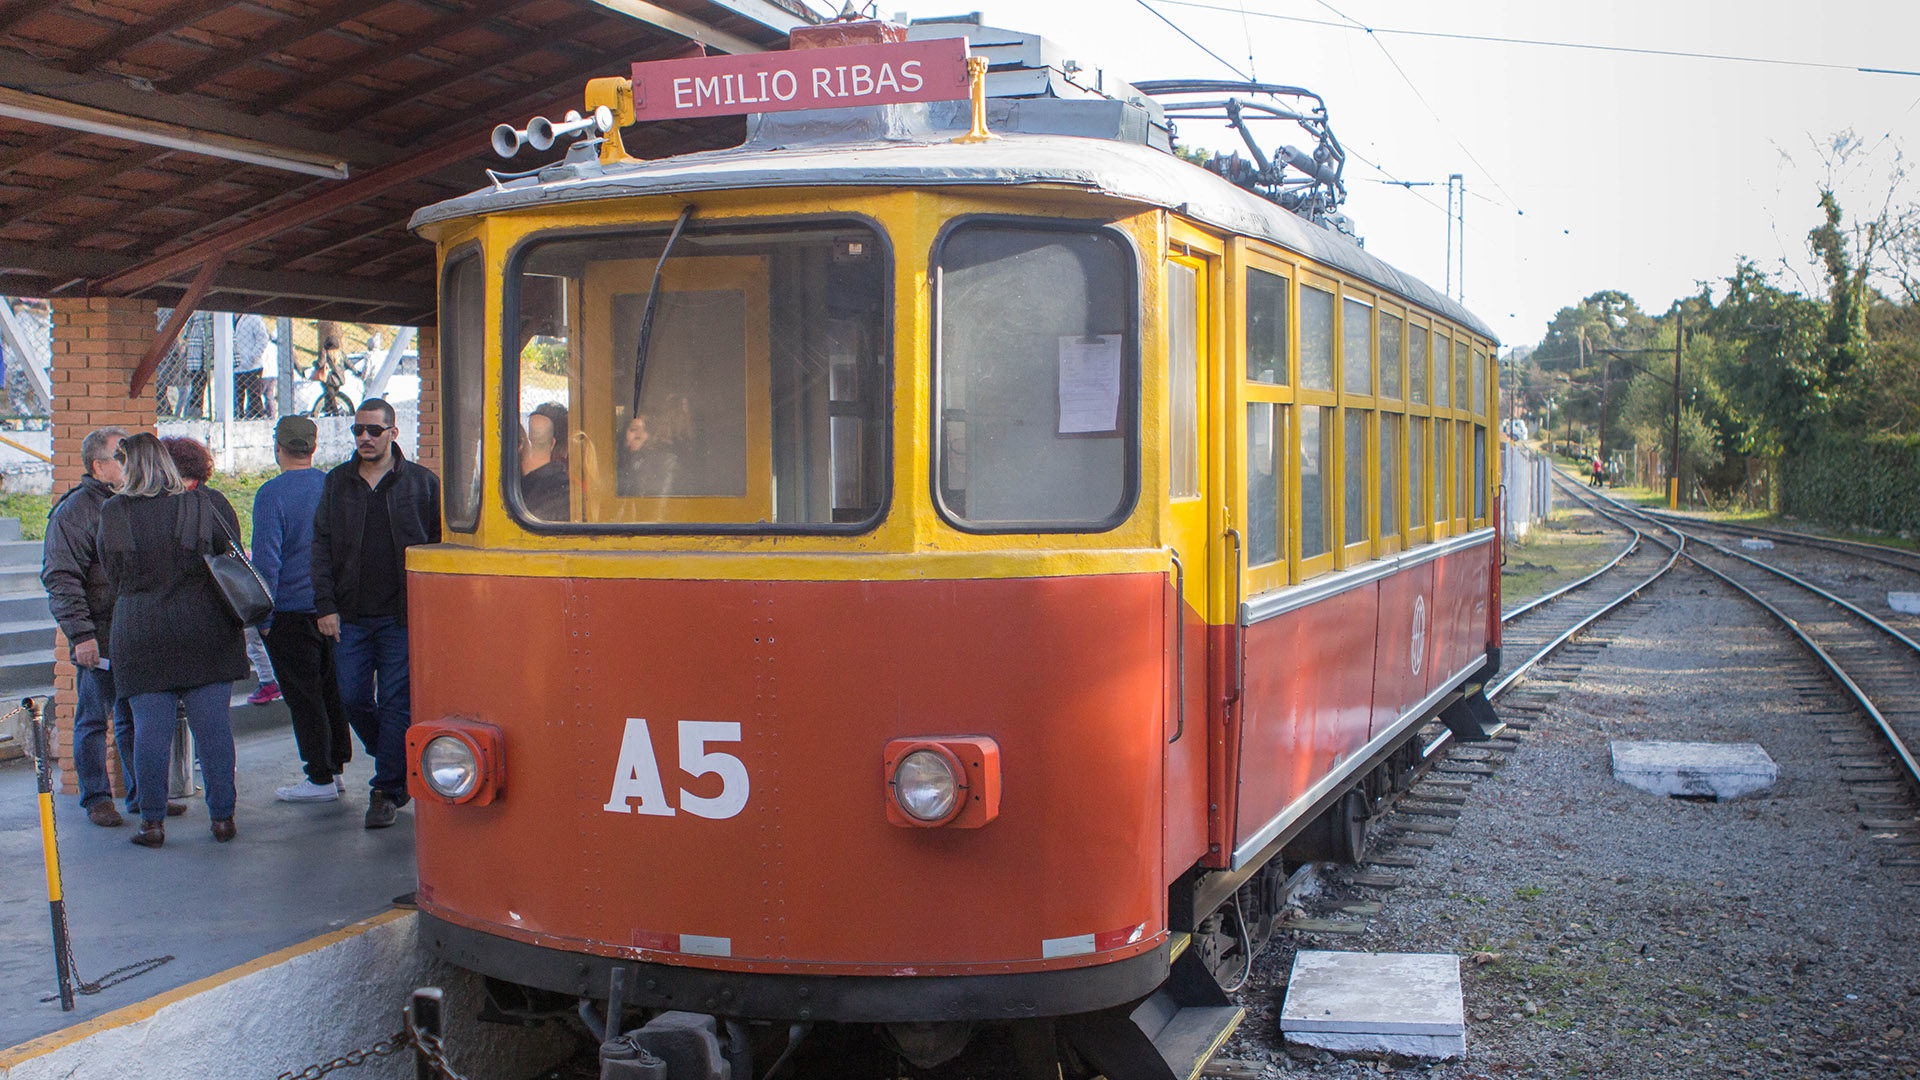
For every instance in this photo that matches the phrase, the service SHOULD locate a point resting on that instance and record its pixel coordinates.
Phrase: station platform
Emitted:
(294, 872)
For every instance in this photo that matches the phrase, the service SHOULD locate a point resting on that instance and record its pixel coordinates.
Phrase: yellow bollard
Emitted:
(50, 850)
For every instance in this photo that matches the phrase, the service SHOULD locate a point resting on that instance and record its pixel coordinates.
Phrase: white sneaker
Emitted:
(307, 791)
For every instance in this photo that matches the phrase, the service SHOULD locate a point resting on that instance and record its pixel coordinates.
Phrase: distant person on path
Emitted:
(1599, 474)
(330, 371)
(82, 601)
(178, 642)
(195, 463)
(283, 512)
(373, 508)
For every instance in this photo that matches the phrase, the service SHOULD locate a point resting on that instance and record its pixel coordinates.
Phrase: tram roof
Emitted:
(1129, 171)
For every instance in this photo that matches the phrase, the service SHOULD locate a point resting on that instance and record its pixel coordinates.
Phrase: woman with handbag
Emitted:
(182, 640)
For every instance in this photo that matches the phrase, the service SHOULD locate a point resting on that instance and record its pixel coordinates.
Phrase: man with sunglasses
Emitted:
(373, 508)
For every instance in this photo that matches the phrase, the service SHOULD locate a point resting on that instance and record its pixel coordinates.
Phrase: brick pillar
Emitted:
(428, 342)
(97, 343)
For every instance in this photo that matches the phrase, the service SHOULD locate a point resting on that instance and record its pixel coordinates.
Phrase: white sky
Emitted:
(1641, 173)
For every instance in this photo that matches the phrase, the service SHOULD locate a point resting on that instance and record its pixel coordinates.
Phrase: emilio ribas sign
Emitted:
(831, 78)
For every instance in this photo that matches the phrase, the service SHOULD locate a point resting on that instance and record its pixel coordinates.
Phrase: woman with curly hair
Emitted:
(182, 643)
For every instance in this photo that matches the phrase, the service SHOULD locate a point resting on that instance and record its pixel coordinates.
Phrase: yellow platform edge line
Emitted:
(142, 1010)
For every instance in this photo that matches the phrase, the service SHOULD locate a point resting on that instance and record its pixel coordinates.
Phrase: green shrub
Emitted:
(1851, 480)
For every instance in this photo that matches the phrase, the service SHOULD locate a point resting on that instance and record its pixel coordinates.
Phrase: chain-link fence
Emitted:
(229, 378)
(26, 341)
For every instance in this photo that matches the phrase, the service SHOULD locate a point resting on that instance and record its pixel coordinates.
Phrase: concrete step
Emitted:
(27, 635)
(20, 579)
(23, 671)
(22, 553)
(10, 529)
(24, 606)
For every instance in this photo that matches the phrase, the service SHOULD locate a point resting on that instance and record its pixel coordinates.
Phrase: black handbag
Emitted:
(241, 586)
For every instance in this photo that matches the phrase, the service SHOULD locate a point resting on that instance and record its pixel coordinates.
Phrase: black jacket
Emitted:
(172, 627)
(77, 587)
(413, 507)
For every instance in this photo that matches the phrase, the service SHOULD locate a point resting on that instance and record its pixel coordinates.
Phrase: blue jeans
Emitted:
(90, 718)
(371, 663)
(153, 719)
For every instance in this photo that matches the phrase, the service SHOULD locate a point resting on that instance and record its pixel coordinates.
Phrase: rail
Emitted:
(1885, 554)
(1893, 739)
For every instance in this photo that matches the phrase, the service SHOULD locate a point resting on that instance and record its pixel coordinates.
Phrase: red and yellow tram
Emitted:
(905, 580)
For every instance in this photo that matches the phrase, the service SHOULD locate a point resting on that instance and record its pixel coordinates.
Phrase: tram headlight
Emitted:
(449, 766)
(926, 785)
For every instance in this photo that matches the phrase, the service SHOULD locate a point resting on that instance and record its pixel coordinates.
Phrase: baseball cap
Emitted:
(296, 433)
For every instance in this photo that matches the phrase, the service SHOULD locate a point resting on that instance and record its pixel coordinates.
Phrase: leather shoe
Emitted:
(103, 814)
(223, 829)
(381, 809)
(151, 834)
(175, 809)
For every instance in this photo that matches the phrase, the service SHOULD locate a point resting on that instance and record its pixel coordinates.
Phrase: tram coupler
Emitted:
(677, 1046)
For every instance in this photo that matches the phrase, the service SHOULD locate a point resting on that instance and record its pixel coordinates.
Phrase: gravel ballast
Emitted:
(1607, 932)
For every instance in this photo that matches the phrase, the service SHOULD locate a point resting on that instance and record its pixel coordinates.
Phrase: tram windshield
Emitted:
(756, 403)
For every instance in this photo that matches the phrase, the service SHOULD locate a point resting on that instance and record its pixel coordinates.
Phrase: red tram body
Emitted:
(684, 726)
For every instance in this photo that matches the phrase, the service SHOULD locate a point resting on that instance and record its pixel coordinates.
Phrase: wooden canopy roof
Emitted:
(149, 146)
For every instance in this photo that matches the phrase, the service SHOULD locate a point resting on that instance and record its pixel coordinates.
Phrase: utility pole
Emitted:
(1457, 223)
(1673, 469)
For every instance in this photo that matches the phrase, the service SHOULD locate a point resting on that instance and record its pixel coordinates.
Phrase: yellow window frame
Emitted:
(1286, 569)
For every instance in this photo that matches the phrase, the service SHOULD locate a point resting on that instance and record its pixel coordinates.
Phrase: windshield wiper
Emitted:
(646, 314)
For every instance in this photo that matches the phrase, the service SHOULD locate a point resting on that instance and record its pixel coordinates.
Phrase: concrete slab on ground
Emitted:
(294, 872)
(1405, 1003)
(1694, 770)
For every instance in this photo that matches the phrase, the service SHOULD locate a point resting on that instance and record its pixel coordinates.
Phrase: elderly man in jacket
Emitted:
(82, 603)
(373, 507)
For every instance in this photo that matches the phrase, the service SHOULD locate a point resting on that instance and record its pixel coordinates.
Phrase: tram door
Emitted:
(1192, 283)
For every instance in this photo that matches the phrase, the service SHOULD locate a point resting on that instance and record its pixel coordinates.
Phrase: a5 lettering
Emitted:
(637, 787)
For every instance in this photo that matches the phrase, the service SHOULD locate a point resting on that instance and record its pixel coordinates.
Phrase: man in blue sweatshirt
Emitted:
(302, 656)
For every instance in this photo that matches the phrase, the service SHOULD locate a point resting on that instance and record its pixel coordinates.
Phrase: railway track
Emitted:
(1876, 664)
(1884, 554)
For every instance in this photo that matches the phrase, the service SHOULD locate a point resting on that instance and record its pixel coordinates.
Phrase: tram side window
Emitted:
(1479, 471)
(1356, 333)
(1460, 458)
(1417, 361)
(1417, 479)
(1265, 496)
(1476, 387)
(1389, 474)
(1442, 381)
(1461, 397)
(1266, 328)
(463, 329)
(1356, 476)
(1316, 338)
(1316, 495)
(758, 400)
(1389, 355)
(1036, 393)
(1439, 470)
(1183, 378)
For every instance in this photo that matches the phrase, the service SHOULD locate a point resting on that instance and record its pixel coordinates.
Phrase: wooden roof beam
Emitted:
(21, 10)
(554, 35)
(272, 41)
(65, 188)
(481, 12)
(134, 34)
(322, 203)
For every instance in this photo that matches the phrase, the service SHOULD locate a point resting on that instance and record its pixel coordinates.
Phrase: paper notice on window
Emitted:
(1089, 384)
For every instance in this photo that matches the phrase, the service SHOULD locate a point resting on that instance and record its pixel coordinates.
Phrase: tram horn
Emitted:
(507, 140)
(542, 133)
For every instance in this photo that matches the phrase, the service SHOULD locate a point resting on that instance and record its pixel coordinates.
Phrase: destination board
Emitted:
(831, 78)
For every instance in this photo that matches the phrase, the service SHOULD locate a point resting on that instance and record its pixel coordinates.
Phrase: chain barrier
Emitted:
(427, 1043)
(40, 746)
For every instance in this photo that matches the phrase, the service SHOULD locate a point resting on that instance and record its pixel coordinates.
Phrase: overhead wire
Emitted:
(1224, 62)
(1431, 111)
(1551, 44)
